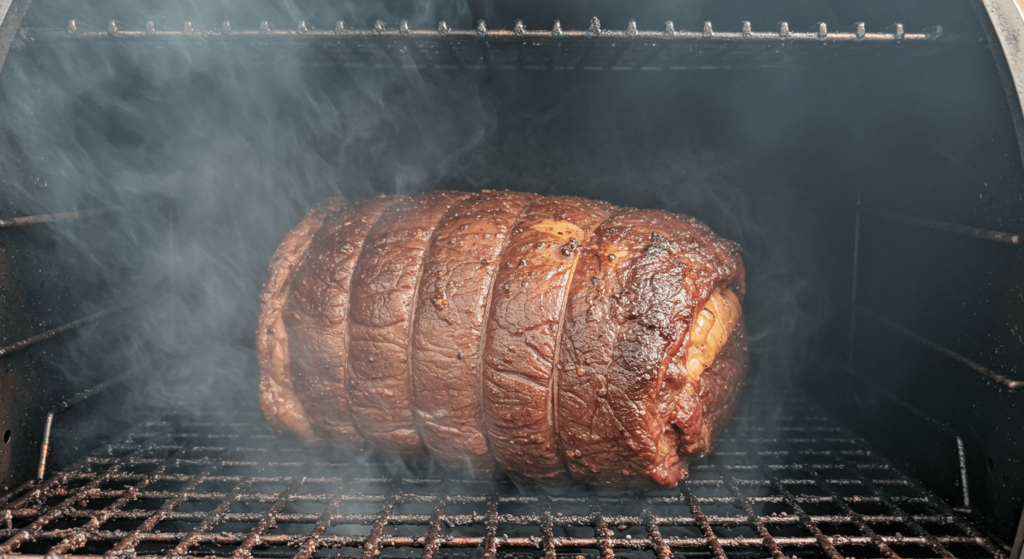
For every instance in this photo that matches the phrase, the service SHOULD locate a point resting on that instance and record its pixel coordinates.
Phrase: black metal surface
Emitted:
(784, 481)
(594, 48)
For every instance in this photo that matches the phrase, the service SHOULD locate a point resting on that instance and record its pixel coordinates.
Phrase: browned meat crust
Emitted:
(383, 300)
(523, 327)
(277, 396)
(458, 272)
(639, 282)
(549, 338)
(316, 315)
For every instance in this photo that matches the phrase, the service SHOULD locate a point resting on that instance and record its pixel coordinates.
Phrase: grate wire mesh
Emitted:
(778, 485)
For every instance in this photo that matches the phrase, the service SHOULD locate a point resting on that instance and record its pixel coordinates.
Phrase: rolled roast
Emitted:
(548, 338)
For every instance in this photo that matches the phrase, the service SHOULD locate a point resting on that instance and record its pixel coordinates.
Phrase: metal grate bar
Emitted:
(775, 486)
(752, 517)
(313, 542)
(594, 48)
(935, 543)
(931, 541)
(433, 540)
(602, 532)
(76, 29)
(855, 517)
(547, 530)
(268, 520)
(50, 218)
(976, 232)
(46, 335)
(805, 519)
(662, 550)
(705, 527)
(78, 539)
(50, 514)
(128, 543)
(491, 526)
(1008, 383)
(372, 546)
(215, 517)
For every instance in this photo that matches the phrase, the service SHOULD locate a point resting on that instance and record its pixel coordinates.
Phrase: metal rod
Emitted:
(1008, 383)
(269, 519)
(177, 470)
(937, 548)
(855, 518)
(46, 335)
(963, 471)
(126, 545)
(374, 539)
(44, 449)
(97, 519)
(705, 527)
(312, 543)
(228, 32)
(49, 218)
(490, 539)
(985, 234)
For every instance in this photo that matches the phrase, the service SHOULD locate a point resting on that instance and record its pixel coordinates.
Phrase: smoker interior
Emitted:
(871, 172)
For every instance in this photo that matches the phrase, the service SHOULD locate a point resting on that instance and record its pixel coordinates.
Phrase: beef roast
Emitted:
(316, 319)
(383, 299)
(277, 394)
(523, 327)
(455, 291)
(550, 338)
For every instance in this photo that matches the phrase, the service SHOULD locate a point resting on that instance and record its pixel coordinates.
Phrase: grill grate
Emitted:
(777, 485)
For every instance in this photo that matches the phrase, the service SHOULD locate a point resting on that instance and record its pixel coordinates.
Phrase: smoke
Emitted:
(209, 156)
(213, 153)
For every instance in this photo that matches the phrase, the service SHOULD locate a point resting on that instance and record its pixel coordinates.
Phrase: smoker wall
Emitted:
(822, 168)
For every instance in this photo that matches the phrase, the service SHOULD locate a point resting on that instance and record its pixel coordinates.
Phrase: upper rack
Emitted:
(594, 48)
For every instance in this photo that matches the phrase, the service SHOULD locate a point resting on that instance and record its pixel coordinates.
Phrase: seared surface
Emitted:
(277, 395)
(543, 337)
(523, 327)
(639, 282)
(316, 319)
(458, 272)
(383, 300)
